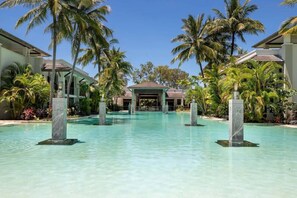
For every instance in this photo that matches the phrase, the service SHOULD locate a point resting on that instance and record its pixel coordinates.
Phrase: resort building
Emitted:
(15, 50)
(63, 71)
(277, 48)
(150, 96)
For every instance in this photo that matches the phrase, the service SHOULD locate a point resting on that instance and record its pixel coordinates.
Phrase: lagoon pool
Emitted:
(147, 155)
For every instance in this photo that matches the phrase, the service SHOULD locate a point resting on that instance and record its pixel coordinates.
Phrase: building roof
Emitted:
(262, 55)
(275, 40)
(175, 93)
(33, 50)
(128, 94)
(148, 85)
(63, 66)
(267, 58)
(60, 66)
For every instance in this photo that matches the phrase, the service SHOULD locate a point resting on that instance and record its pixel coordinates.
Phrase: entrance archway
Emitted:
(148, 96)
(148, 102)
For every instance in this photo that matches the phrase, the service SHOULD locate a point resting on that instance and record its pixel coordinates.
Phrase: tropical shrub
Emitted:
(84, 87)
(199, 95)
(180, 108)
(114, 107)
(85, 106)
(261, 89)
(261, 86)
(28, 114)
(9, 73)
(41, 113)
(95, 99)
(27, 90)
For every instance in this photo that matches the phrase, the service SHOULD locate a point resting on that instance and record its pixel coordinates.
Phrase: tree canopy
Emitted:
(162, 74)
(236, 22)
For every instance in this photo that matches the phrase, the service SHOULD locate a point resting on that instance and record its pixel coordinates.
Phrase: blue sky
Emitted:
(146, 27)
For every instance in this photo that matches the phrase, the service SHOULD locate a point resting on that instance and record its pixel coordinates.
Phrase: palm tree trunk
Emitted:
(201, 69)
(53, 74)
(98, 54)
(99, 68)
(202, 72)
(232, 43)
(72, 71)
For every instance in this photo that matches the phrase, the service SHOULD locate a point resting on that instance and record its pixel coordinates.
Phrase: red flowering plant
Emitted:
(28, 114)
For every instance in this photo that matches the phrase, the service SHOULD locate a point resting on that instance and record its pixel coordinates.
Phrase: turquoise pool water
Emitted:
(147, 155)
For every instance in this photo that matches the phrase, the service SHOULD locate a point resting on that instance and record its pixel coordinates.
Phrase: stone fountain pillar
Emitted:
(236, 138)
(193, 113)
(129, 108)
(133, 102)
(163, 100)
(235, 120)
(59, 116)
(102, 112)
(59, 121)
(166, 108)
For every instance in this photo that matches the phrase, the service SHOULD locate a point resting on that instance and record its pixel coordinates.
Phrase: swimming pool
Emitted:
(147, 155)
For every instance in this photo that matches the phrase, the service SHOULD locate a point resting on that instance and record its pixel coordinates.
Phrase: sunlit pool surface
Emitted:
(147, 155)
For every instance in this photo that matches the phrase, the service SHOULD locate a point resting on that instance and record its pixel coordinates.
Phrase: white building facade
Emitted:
(63, 72)
(15, 50)
(277, 48)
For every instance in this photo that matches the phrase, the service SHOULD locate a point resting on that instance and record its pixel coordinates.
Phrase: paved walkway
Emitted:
(13, 122)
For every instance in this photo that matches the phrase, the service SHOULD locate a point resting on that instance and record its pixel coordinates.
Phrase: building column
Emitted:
(62, 79)
(163, 100)
(75, 88)
(288, 57)
(27, 55)
(0, 61)
(78, 90)
(182, 100)
(175, 103)
(133, 102)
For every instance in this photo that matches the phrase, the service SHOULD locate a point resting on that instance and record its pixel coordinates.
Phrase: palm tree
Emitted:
(216, 97)
(115, 69)
(236, 22)
(10, 72)
(98, 48)
(199, 95)
(289, 2)
(38, 15)
(88, 16)
(197, 42)
(290, 25)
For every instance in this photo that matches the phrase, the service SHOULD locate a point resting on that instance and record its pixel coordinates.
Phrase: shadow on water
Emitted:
(118, 113)
(109, 121)
(261, 124)
(113, 118)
